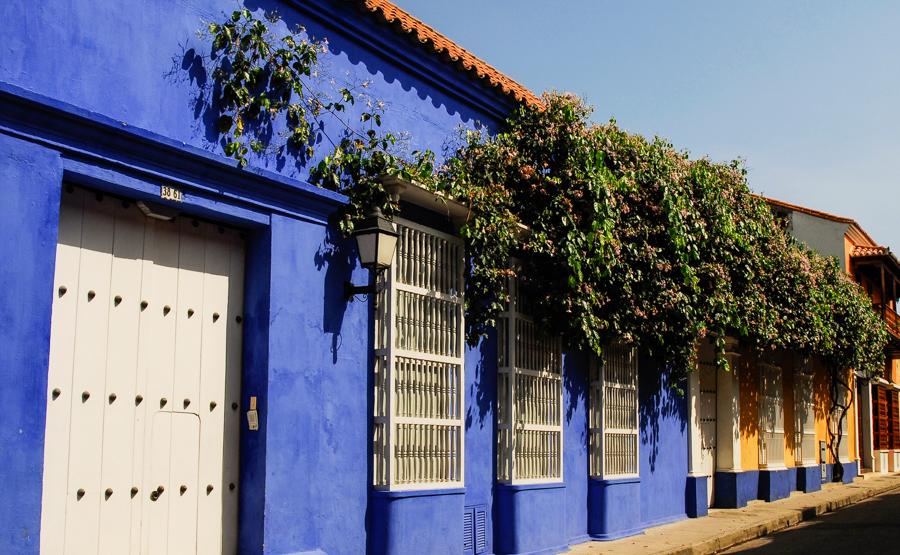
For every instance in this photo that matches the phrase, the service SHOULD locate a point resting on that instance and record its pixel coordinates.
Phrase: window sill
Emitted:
(524, 487)
(631, 479)
(399, 494)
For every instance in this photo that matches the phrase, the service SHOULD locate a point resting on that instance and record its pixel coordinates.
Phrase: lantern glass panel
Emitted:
(367, 245)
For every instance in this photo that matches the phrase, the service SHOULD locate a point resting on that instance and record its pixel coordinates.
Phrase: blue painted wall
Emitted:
(481, 425)
(30, 183)
(663, 444)
(316, 421)
(615, 508)
(576, 467)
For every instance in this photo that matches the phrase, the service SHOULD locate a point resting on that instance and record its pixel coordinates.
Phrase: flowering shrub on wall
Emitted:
(630, 238)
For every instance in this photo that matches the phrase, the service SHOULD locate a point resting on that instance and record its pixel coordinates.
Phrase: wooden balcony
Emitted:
(893, 322)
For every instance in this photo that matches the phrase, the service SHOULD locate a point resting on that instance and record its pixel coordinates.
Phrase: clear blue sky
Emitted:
(808, 93)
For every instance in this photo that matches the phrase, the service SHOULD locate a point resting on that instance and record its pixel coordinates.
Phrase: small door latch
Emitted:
(252, 415)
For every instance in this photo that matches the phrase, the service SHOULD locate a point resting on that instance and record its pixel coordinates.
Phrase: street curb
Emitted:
(795, 516)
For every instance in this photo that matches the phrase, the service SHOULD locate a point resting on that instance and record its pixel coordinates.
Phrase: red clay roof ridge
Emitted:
(439, 44)
(810, 211)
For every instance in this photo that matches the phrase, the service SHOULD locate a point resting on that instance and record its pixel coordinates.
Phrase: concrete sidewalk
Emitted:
(724, 528)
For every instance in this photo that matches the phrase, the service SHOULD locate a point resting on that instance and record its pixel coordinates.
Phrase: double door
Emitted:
(141, 444)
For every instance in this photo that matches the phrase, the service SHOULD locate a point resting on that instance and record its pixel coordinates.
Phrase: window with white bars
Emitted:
(613, 415)
(418, 407)
(771, 417)
(805, 446)
(529, 397)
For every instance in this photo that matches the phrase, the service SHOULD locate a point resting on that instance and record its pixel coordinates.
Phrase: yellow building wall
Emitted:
(823, 403)
(851, 421)
(749, 391)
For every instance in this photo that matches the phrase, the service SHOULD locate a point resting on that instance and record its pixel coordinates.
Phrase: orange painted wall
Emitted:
(749, 391)
(848, 248)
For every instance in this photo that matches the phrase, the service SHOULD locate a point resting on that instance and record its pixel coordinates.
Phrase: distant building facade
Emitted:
(877, 270)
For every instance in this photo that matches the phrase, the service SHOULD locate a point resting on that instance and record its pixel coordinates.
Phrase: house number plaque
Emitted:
(171, 193)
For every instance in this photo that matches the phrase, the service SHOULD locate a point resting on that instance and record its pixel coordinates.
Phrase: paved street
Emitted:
(873, 524)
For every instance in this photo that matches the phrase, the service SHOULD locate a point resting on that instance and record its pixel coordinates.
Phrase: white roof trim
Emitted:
(417, 195)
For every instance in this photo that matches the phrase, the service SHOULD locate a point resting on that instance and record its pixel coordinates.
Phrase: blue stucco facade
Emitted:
(111, 96)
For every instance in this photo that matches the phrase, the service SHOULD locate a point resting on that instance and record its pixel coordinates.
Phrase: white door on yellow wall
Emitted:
(707, 412)
(141, 443)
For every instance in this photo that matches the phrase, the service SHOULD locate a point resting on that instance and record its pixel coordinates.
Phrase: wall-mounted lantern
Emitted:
(376, 241)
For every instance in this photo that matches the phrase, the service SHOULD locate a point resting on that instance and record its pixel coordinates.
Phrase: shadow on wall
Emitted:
(337, 255)
(575, 366)
(749, 407)
(660, 398)
(192, 67)
(484, 387)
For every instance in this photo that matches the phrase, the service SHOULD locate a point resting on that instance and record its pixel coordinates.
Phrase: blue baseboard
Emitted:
(809, 478)
(614, 508)
(695, 496)
(851, 471)
(735, 489)
(415, 522)
(775, 484)
(530, 519)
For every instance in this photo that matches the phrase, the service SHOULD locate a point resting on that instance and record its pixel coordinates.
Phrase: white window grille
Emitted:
(614, 413)
(805, 445)
(419, 338)
(771, 417)
(529, 398)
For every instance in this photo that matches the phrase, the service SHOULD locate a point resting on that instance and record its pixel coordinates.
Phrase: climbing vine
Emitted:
(615, 235)
(273, 93)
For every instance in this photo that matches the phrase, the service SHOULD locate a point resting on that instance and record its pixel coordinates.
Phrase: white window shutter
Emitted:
(419, 381)
(529, 398)
(613, 425)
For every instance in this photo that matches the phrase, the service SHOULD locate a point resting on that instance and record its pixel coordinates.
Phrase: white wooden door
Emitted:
(707, 413)
(141, 444)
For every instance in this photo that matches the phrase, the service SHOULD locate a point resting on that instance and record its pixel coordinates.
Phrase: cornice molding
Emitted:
(93, 138)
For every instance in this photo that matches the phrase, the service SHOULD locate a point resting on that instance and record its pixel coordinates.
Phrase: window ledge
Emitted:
(523, 487)
(398, 494)
(633, 479)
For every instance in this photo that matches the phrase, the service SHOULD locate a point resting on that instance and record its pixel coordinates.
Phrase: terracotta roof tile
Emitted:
(870, 251)
(885, 254)
(439, 44)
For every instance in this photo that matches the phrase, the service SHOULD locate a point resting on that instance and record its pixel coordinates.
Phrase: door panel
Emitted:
(89, 376)
(708, 403)
(59, 374)
(142, 432)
